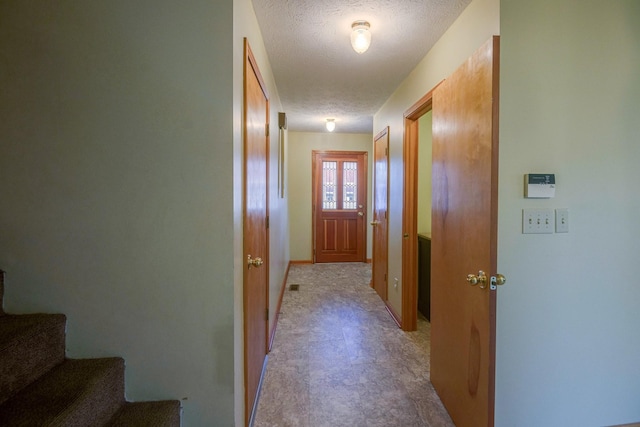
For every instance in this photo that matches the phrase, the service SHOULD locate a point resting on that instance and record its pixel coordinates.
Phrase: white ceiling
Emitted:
(320, 76)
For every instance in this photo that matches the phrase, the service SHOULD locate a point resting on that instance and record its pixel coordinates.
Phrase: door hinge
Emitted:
(267, 221)
(385, 277)
(386, 151)
(266, 129)
(266, 312)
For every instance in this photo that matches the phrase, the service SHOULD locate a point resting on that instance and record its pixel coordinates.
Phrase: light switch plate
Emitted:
(537, 221)
(562, 220)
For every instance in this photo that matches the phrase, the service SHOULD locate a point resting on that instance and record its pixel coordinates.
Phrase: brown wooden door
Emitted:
(339, 197)
(465, 153)
(380, 203)
(256, 245)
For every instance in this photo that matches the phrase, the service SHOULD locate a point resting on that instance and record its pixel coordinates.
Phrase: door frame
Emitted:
(313, 197)
(251, 63)
(409, 320)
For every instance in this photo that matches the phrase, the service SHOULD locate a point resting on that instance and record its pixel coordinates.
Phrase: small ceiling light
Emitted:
(360, 36)
(331, 125)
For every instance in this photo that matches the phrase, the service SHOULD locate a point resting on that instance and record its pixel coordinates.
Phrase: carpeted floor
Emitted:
(338, 358)
(40, 387)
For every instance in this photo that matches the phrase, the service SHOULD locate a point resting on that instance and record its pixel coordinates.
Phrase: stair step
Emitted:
(164, 413)
(30, 345)
(77, 393)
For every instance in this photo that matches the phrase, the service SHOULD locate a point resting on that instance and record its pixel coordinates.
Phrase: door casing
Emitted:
(409, 318)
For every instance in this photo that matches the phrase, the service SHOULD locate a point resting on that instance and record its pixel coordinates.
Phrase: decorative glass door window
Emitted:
(349, 185)
(339, 185)
(329, 178)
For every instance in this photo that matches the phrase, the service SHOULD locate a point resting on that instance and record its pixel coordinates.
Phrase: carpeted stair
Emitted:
(39, 387)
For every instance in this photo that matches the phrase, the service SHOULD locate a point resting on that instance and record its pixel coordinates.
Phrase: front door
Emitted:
(255, 262)
(339, 204)
(464, 238)
(379, 223)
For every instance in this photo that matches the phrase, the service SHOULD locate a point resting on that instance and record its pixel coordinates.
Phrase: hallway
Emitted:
(338, 358)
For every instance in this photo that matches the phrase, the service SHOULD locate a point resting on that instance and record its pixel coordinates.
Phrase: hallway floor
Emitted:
(338, 358)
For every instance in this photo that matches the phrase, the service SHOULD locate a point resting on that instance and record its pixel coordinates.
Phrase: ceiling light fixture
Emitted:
(331, 125)
(360, 36)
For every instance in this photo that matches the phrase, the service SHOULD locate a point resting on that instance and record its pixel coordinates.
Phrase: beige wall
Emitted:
(479, 21)
(299, 148)
(424, 173)
(567, 344)
(120, 181)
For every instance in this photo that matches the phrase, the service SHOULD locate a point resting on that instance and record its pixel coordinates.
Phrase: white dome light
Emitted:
(360, 36)
(331, 125)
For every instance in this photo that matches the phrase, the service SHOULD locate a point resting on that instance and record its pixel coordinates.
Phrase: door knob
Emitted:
(480, 279)
(497, 280)
(254, 262)
(374, 223)
(360, 214)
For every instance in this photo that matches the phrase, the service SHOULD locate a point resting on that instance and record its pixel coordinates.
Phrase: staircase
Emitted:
(40, 387)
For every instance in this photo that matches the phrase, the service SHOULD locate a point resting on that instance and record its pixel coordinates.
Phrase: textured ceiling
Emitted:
(317, 72)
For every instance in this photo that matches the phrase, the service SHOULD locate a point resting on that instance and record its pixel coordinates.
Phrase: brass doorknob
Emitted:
(254, 262)
(360, 214)
(480, 279)
(499, 280)
(374, 223)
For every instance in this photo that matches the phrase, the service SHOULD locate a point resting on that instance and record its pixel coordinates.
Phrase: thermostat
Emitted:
(539, 185)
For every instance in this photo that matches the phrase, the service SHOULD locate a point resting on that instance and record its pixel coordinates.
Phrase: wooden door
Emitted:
(339, 204)
(380, 233)
(256, 244)
(464, 237)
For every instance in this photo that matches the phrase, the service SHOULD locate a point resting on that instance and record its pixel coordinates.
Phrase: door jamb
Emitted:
(409, 320)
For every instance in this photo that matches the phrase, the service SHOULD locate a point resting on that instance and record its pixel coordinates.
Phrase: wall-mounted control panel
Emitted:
(539, 185)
